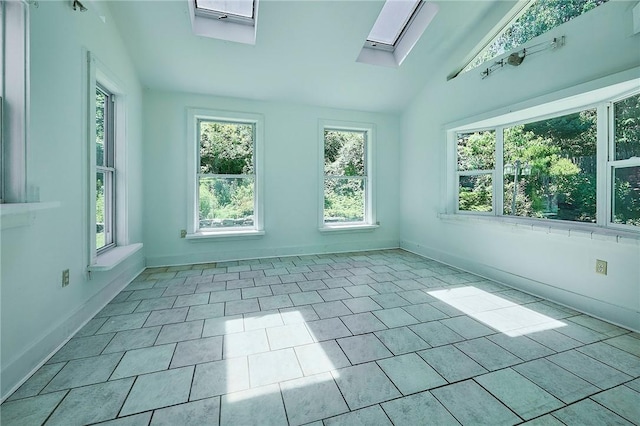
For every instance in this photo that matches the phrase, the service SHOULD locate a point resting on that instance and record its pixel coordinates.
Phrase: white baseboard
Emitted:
(619, 315)
(225, 256)
(17, 371)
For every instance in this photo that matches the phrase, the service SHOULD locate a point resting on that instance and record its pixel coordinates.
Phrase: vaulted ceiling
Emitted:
(305, 51)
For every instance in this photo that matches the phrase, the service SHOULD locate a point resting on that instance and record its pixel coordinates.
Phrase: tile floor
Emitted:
(376, 338)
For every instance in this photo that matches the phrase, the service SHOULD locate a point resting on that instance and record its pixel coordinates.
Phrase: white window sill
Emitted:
(550, 226)
(112, 258)
(231, 234)
(15, 215)
(348, 228)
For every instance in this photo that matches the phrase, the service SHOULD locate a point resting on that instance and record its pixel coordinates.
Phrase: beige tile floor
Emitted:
(376, 338)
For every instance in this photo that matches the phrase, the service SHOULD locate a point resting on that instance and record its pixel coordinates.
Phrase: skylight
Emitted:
(227, 8)
(392, 22)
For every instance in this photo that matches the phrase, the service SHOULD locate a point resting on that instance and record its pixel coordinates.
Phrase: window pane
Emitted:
(627, 128)
(392, 20)
(476, 151)
(475, 193)
(550, 168)
(101, 99)
(225, 202)
(233, 7)
(344, 153)
(542, 16)
(100, 210)
(344, 200)
(226, 148)
(626, 200)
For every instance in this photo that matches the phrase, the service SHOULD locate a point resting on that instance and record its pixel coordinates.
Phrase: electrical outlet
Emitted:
(601, 267)
(65, 278)
(183, 233)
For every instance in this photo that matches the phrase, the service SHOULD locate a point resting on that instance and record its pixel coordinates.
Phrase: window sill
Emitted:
(112, 258)
(22, 214)
(348, 228)
(567, 229)
(231, 234)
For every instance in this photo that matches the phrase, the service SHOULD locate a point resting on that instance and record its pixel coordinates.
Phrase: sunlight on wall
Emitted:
(496, 312)
(276, 353)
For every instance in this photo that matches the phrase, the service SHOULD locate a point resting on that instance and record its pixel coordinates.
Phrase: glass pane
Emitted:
(100, 124)
(392, 19)
(226, 202)
(344, 153)
(475, 193)
(226, 148)
(626, 200)
(542, 16)
(627, 128)
(232, 7)
(344, 200)
(477, 151)
(100, 210)
(553, 173)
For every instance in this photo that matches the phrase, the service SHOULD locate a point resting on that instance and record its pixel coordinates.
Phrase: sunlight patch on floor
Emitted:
(498, 313)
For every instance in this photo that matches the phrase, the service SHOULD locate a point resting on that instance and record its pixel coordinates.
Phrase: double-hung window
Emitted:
(578, 165)
(105, 169)
(347, 196)
(225, 181)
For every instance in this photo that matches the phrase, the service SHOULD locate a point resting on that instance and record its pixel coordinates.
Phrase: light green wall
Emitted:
(37, 313)
(291, 173)
(598, 44)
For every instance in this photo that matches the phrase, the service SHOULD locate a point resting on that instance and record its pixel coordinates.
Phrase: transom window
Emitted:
(529, 20)
(550, 168)
(105, 169)
(346, 189)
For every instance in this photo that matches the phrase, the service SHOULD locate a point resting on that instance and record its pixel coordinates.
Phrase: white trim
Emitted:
(370, 217)
(192, 144)
(352, 227)
(226, 233)
(414, 30)
(110, 259)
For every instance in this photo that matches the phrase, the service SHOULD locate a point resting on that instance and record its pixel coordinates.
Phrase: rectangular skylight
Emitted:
(392, 22)
(241, 8)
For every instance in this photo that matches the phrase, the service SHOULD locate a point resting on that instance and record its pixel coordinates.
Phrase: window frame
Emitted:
(194, 117)
(239, 29)
(369, 219)
(108, 170)
(15, 96)
(100, 75)
(603, 104)
(226, 16)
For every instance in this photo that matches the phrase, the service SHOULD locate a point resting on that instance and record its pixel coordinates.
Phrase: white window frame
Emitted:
(370, 221)
(15, 70)
(194, 116)
(602, 100)
(108, 169)
(99, 73)
(237, 29)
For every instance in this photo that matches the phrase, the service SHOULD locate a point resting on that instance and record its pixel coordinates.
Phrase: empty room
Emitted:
(323, 212)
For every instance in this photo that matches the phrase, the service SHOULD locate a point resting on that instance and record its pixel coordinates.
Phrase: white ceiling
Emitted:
(305, 51)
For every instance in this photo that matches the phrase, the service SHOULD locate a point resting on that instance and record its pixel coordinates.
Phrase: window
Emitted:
(105, 169)
(625, 162)
(346, 177)
(552, 168)
(226, 180)
(14, 95)
(397, 29)
(392, 23)
(232, 20)
(528, 20)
